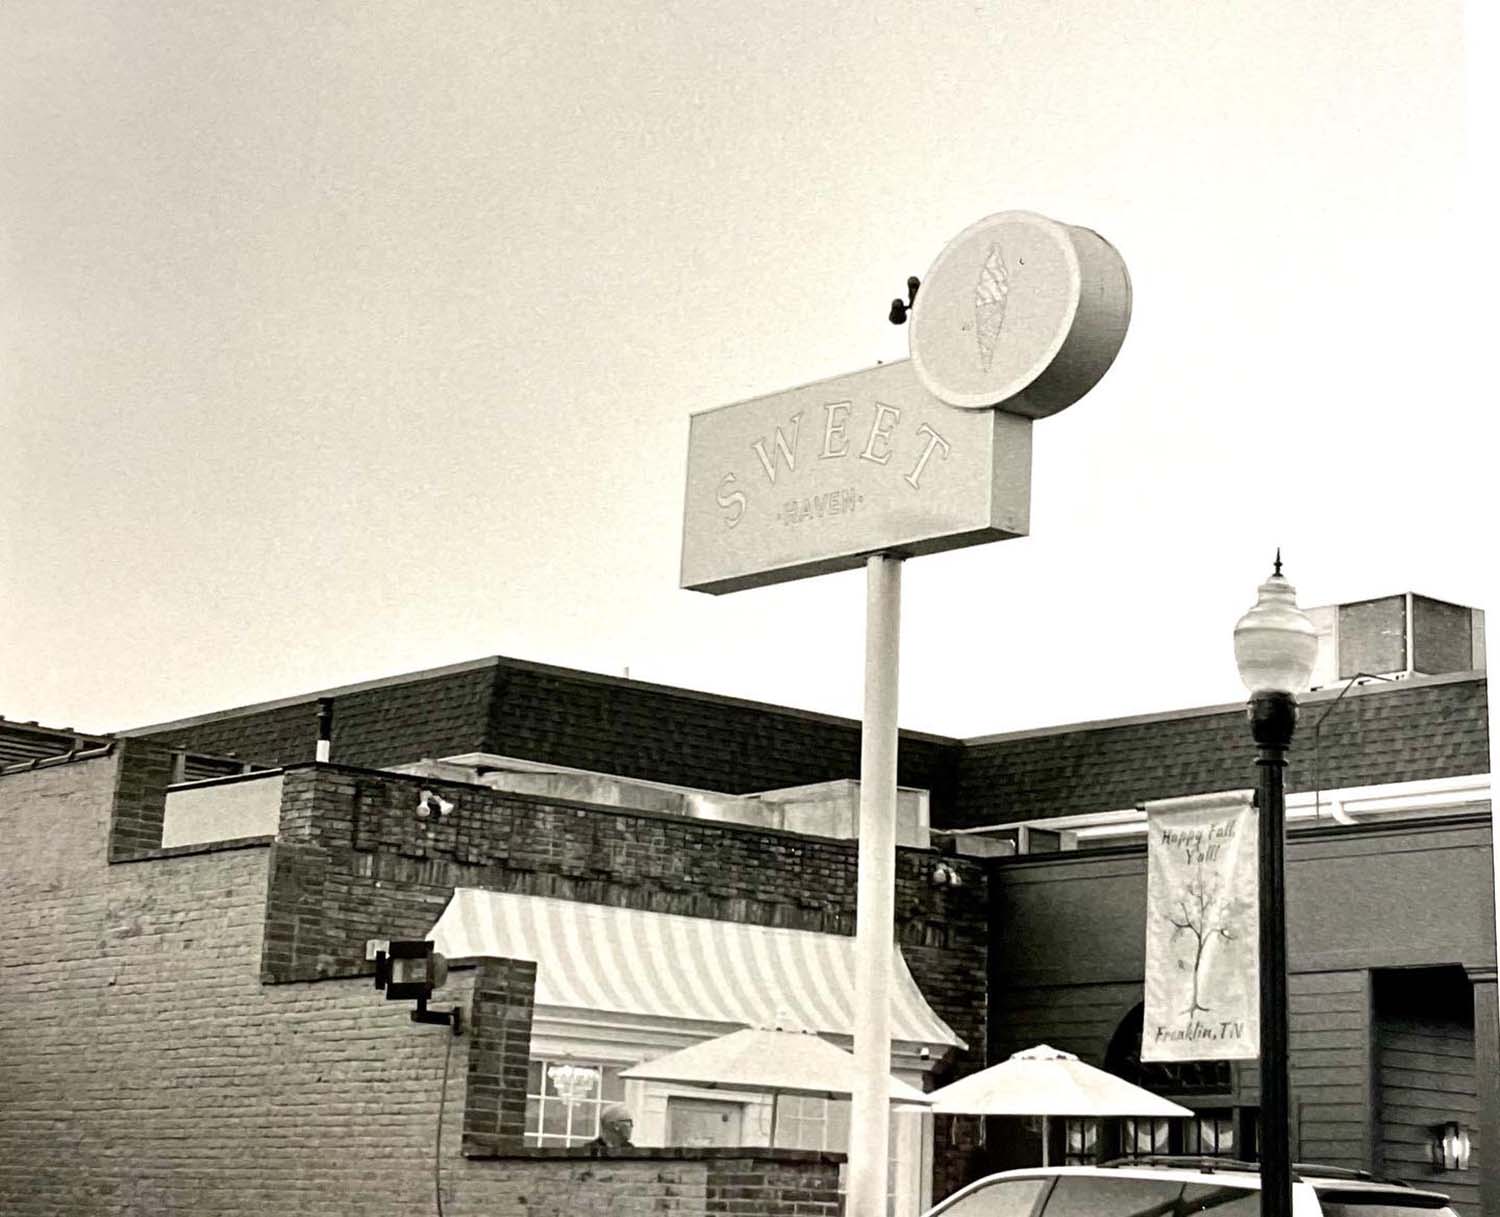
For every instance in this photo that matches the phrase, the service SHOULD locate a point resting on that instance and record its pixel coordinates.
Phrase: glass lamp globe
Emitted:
(1275, 643)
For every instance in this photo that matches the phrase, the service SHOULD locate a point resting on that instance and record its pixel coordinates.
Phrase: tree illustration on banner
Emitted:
(1203, 913)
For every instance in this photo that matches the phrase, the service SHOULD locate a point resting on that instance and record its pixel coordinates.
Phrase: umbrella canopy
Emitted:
(1044, 1081)
(771, 1062)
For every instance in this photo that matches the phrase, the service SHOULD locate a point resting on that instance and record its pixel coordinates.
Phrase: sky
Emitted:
(346, 340)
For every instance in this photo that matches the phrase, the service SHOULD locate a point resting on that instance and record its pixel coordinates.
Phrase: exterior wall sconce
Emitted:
(944, 875)
(432, 806)
(1450, 1146)
(409, 970)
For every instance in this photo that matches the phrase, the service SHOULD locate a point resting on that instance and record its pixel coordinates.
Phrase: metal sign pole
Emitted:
(870, 1115)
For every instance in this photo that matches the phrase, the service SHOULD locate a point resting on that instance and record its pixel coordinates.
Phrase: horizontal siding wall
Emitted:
(1329, 1026)
(1080, 1019)
(1424, 1062)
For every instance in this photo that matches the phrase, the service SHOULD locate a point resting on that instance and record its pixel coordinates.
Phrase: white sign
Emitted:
(1202, 930)
(1020, 312)
(818, 478)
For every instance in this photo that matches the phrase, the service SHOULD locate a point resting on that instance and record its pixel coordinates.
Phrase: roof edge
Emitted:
(1318, 696)
(281, 703)
(599, 678)
(526, 665)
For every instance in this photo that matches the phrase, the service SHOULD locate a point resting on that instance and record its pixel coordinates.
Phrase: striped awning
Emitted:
(597, 957)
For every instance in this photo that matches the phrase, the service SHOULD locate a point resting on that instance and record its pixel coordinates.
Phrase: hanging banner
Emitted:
(1202, 930)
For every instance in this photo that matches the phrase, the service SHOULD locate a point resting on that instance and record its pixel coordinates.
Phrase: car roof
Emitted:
(1323, 1179)
(1181, 1174)
(1331, 1183)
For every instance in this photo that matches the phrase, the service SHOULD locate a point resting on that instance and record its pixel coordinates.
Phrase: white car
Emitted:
(1178, 1187)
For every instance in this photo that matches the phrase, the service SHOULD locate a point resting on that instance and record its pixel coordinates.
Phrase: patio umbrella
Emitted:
(1045, 1081)
(766, 1062)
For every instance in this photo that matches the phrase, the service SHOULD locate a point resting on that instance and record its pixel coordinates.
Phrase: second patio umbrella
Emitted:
(1045, 1081)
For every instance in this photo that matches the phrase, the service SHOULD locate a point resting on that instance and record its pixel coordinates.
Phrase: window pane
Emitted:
(613, 1090)
(1211, 1132)
(838, 1126)
(554, 1118)
(1226, 1137)
(1012, 1198)
(584, 1125)
(1081, 1142)
(1143, 1136)
(1110, 1196)
(573, 1082)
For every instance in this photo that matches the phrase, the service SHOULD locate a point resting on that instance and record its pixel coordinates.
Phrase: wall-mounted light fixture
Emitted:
(1450, 1146)
(410, 970)
(432, 806)
(944, 875)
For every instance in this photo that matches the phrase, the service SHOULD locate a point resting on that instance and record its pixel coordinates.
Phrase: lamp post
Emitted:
(1275, 647)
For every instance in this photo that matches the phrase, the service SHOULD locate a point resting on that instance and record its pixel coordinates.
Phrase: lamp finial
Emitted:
(1277, 571)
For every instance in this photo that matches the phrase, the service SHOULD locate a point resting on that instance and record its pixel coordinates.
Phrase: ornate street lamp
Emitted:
(1275, 646)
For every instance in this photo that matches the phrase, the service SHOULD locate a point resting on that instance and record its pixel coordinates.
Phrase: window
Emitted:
(1080, 1142)
(1210, 1133)
(1012, 1198)
(1175, 1078)
(1145, 1136)
(808, 1122)
(563, 1099)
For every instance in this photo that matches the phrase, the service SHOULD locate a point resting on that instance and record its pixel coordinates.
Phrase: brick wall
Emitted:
(146, 1070)
(499, 1031)
(140, 800)
(674, 1182)
(354, 862)
(144, 1067)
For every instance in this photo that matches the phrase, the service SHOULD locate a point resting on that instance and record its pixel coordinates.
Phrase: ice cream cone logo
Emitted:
(1021, 313)
(990, 292)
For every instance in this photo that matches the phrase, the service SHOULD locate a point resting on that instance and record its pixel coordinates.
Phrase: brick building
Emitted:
(188, 1024)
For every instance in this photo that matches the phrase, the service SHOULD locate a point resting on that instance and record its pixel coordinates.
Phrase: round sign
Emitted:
(1020, 312)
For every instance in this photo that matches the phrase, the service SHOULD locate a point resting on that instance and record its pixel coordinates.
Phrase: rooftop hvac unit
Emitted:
(1397, 637)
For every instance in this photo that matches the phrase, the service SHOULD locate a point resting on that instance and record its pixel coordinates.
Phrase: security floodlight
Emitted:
(411, 970)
